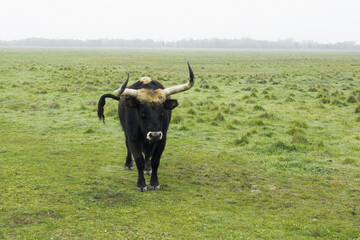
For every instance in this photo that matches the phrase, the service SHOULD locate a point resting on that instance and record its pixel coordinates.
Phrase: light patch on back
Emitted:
(145, 80)
(151, 96)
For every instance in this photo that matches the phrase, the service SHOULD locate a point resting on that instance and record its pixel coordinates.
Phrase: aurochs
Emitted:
(145, 113)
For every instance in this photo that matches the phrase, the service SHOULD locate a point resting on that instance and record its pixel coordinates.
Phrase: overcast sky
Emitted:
(325, 21)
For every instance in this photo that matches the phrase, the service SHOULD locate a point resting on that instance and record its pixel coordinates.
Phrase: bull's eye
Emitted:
(143, 115)
(162, 114)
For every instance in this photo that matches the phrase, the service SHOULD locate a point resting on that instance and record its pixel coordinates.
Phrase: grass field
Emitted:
(265, 146)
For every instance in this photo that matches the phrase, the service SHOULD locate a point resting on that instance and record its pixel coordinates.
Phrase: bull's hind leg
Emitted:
(129, 162)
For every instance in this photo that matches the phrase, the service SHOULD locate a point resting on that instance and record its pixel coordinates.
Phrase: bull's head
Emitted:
(152, 104)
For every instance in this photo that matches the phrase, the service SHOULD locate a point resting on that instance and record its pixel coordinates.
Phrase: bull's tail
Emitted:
(102, 103)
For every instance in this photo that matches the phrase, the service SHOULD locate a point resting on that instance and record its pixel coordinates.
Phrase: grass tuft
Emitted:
(191, 111)
(300, 124)
(219, 117)
(256, 122)
(267, 115)
(351, 99)
(259, 108)
(54, 105)
(293, 131)
(350, 161)
(299, 139)
(279, 145)
(242, 141)
(289, 99)
(357, 109)
(176, 119)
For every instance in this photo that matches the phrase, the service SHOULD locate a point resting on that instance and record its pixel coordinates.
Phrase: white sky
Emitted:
(325, 21)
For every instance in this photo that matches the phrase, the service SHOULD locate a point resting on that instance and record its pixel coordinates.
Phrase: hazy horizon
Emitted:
(177, 40)
(320, 21)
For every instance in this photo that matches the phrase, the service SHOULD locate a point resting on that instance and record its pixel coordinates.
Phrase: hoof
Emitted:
(129, 168)
(141, 189)
(154, 187)
(148, 172)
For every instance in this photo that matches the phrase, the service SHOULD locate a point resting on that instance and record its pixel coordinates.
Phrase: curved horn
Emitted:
(125, 91)
(182, 87)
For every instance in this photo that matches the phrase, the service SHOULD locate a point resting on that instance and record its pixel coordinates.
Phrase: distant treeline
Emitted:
(244, 43)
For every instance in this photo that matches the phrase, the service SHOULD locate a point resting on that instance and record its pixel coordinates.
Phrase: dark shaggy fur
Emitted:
(145, 123)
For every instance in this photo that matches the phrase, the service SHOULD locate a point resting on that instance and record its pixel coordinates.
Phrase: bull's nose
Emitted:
(154, 136)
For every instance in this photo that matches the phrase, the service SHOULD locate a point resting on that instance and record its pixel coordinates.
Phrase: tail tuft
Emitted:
(101, 105)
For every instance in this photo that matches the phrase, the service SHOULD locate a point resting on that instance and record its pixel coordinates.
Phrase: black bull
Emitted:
(145, 113)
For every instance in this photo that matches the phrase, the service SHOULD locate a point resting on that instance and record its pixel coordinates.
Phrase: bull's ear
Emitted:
(132, 103)
(170, 104)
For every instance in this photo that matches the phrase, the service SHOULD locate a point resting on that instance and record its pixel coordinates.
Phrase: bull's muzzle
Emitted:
(154, 136)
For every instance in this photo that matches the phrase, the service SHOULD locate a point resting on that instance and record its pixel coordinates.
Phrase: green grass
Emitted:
(265, 146)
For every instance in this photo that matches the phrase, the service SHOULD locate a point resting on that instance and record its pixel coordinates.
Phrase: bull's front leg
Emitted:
(147, 169)
(140, 165)
(155, 162)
